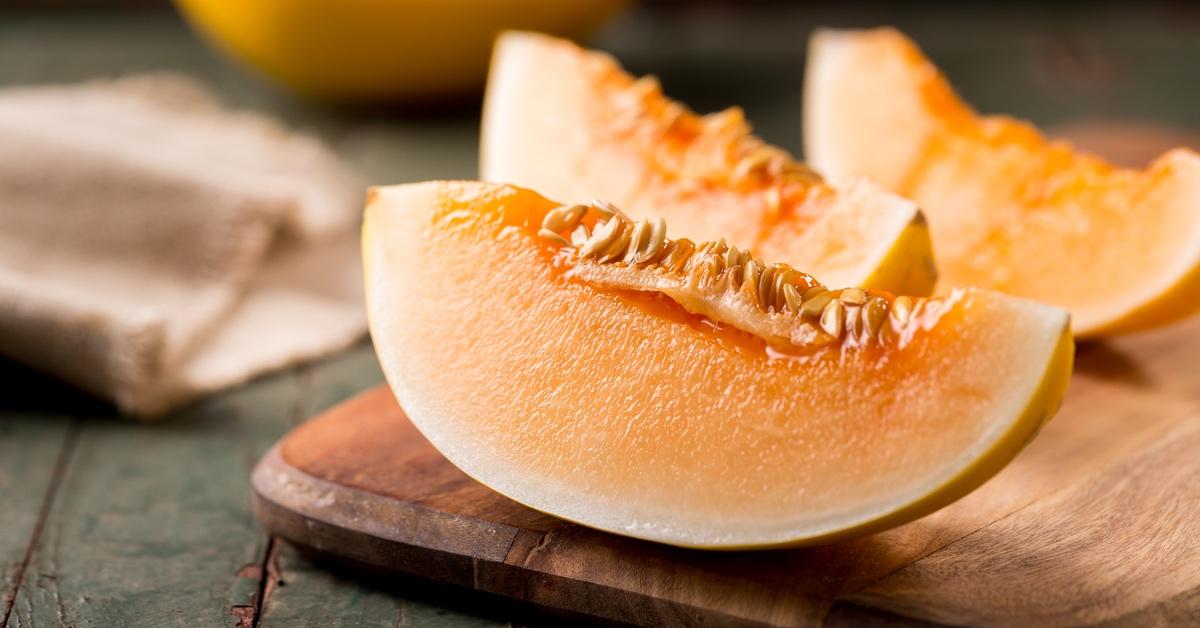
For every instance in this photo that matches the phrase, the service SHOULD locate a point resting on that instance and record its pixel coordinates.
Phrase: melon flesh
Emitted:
(572, 124)
(621, 411)
(1008, 209)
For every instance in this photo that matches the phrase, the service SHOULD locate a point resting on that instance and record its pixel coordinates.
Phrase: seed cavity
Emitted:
(719, 280)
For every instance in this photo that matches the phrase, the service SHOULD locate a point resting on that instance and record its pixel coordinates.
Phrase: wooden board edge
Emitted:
(346, 523)
(329, 518)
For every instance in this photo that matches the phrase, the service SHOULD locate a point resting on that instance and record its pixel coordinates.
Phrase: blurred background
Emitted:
(1054, 63)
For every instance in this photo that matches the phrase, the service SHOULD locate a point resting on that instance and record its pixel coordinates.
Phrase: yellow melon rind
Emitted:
(1042, 406)
(908, 266)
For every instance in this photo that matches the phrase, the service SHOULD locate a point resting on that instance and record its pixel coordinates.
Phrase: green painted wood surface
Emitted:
(128, 524)
(150, 524)
(30, 449)
(321, 595)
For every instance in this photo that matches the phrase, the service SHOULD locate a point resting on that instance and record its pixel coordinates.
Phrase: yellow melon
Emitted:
(591, 367)
(571, 124)
(363, 51)
(1009, 210)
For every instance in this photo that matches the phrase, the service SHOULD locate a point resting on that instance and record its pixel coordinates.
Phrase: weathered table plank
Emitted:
(150, 525)
(312, 594)
(30, 451)
(298, 592)
(308, 594)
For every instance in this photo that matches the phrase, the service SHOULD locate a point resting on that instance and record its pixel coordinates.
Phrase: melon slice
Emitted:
(572, 125)
(1009, 210)
(593, 368)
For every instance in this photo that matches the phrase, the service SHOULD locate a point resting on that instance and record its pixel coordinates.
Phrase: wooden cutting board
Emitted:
(1098, 520)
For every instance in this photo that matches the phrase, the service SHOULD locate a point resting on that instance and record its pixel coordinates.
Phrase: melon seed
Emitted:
(874, 313)
(813, 307)
(853, 296)
(832, 318)
(765, 281)
(656, 242)
(601, 238)
(792, 296)
(902, 308)
(580, 236)
(616, 249)
(812, 292)
(564, 218)
(641, 231)
(717, 267)
(853, 321)
(550, 235)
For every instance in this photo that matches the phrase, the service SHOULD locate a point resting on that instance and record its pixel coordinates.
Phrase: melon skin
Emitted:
(623, 414)
(573, 125)
(1008, 209)
(371, 52)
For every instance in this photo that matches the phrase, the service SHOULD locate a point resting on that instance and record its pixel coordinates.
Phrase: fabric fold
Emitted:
(155, 247)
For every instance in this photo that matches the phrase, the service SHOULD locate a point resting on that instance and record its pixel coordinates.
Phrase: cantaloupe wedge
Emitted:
(1009, 210)
(571, 124)
(593, 368)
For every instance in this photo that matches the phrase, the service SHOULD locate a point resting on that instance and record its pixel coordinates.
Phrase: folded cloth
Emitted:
(155, 247)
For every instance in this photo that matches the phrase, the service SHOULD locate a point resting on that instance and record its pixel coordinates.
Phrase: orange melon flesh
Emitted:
(573, 125)
(1009, 210)
(620, 411)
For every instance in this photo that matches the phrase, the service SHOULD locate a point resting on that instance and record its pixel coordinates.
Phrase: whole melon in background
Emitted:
(364, 51)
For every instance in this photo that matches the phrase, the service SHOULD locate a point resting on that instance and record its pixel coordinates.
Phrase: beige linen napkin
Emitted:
(155, 247)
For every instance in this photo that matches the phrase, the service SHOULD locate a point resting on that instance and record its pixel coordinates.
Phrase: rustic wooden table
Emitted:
(108, 522)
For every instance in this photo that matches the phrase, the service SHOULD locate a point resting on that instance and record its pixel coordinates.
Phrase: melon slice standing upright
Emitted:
(1009, 210)
(572, 124)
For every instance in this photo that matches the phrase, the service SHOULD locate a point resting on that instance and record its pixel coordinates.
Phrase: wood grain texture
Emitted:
(31, 450)
(151, 525)
(1097, 521)
(144, 515)
(314, 594)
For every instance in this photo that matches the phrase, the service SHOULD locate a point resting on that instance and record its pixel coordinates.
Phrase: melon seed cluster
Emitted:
(765, 160)
(773, 301)
(644, 101)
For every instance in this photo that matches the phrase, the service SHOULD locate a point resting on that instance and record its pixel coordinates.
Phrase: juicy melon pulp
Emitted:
(620, 410)
(1008, 209)
(571, 124)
